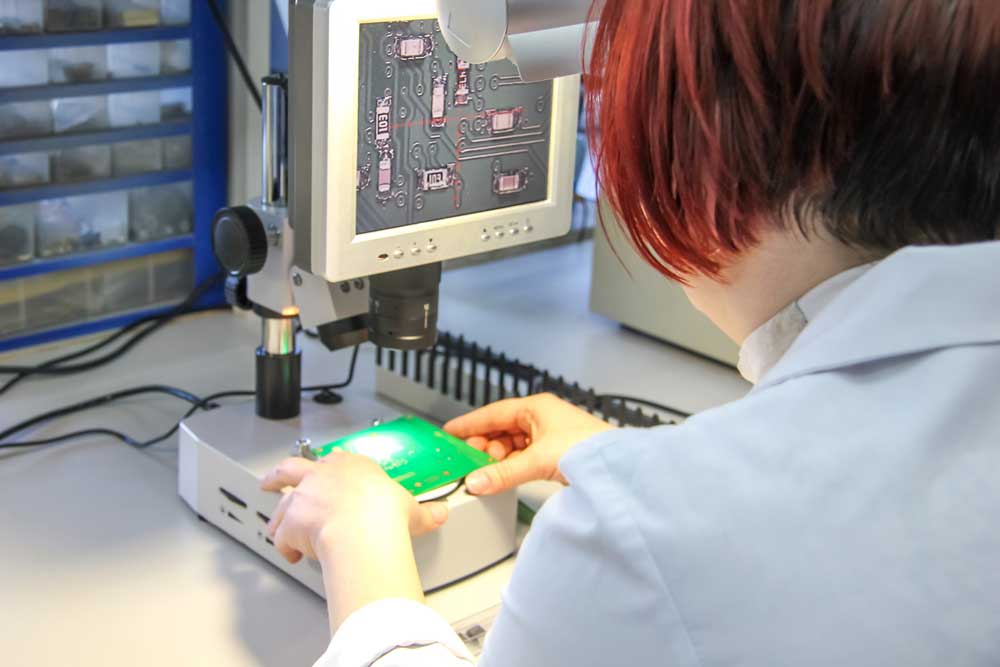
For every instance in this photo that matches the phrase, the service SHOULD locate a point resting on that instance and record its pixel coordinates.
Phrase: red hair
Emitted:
(711, 118)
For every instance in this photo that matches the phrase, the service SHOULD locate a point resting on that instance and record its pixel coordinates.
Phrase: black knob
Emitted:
(239, 240)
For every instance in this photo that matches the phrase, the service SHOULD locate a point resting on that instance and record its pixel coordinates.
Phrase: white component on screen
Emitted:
(510, 182)
(385, 172)
(437, 179)
(414, 47)
(462, 87)
(504, 120)
(437, 101)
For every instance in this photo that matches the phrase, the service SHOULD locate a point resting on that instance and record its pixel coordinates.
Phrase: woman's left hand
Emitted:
(339, 498)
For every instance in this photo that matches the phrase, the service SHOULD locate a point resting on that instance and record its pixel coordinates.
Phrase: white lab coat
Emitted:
(844, 513)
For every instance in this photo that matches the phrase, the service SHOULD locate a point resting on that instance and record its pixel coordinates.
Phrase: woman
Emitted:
(824, 178)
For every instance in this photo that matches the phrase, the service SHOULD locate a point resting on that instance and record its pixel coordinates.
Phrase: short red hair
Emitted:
(711, 119)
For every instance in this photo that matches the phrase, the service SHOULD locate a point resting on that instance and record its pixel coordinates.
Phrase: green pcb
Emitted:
(415, 453)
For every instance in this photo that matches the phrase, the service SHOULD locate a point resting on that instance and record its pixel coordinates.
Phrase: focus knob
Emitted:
(239, 240)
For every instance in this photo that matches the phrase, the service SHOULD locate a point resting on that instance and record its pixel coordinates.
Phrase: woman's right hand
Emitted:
(527, 436)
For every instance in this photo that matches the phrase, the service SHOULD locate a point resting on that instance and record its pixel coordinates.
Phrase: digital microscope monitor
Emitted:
(404, 154)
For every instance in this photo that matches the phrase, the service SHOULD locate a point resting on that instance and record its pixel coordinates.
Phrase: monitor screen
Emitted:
(439, 137)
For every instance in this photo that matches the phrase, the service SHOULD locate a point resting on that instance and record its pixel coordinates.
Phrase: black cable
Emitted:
(57, 366)
(234, 53)
(643, 401)
(96, 403)
(346, 382)
(197, 403)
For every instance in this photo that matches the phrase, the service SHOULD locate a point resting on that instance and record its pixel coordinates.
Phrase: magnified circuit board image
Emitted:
(439, 137)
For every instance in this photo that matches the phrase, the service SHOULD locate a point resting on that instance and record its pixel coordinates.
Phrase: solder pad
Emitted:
(416, 454)
(439, 137)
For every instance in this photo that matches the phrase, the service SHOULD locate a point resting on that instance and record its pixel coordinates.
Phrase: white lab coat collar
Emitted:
(767, 344)
(961, 282)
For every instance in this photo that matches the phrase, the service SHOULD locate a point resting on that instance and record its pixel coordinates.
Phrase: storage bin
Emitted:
(78, 64)
(120, 286)
(17, 233)
(28, 67)
(25, 119)
(135, 59)
(175, 103)
(172, 276)
(85, 163)
(79, 114)
(86, 222)
(128, 109)
(23, 170)
(12, 312)
(175, 56)
(136, 157)
(73, 15)
(177, 152)
(160, 212)
(175, 12)
(131, 13)
(55, 298)
(20, 17)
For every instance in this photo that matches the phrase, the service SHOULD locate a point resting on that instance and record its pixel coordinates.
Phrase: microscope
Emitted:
(405, 134)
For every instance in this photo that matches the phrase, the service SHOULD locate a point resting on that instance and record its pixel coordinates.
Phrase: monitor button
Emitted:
(431, 247)
(485, 237)
(498, 234)
(398, 254)
(414, 251)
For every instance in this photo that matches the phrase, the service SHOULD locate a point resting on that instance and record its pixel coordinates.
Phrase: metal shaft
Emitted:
(278, 335)
(274, 172)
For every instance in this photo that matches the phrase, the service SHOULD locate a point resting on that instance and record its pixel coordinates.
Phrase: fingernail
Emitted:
(476, 482)
(439, 512)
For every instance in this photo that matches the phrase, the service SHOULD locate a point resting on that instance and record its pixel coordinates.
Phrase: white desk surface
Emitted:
(102, 564)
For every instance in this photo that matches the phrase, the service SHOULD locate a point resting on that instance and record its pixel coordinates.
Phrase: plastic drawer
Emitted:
(79, 114)
(132, 13)
(137, 157)
(78, 64)
(128, 109)
(26, 169)
(86, 222)
(173, 276)
(54, 299)
(175, 56)
(25, 119)
(160, 212)
(21, 17)
(177, 152)
(29, 67)
(120, 286)
(13, 318)
(133, 59)
(85, 163)
(73, 15)
(17, 233)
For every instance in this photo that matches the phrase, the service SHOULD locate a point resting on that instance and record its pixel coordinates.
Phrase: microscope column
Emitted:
(279, 361)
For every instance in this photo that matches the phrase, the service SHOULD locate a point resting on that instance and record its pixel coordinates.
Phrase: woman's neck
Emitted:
(782, 267)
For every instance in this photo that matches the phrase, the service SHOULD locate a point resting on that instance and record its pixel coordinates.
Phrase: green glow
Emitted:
(418, 455)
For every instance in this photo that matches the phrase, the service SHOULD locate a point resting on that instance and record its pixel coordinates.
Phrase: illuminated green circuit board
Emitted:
(415, 453)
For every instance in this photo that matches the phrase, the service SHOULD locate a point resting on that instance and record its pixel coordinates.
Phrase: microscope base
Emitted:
(224, 453)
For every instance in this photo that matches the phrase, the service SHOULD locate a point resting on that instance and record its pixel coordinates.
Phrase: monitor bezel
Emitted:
(343, 252)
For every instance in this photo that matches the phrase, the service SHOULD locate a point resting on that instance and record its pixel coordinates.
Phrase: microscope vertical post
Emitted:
(278, 359)
(274, 144)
